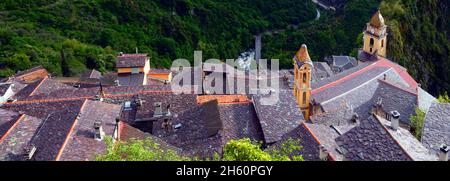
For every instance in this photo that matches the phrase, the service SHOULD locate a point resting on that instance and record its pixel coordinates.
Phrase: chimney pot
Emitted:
(99, 134)
(29, 152)
(168, 114)
(443, 154)
(158, 110)
(323, 153)
(395, 118)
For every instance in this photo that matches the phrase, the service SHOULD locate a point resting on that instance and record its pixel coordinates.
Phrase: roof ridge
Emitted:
(333, 158)
(18, 120)
(392, 137)
(37, 87)
(357, 87)
(61, 150)
(398, 87)
(345, 78)
(48, 100)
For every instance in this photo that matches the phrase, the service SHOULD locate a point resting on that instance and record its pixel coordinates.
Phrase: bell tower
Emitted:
(302, 88)
(375, 36)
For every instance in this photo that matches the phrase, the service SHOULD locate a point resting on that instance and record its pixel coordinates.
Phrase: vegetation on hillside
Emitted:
(88, 33)
(336, 33)
(420, 40)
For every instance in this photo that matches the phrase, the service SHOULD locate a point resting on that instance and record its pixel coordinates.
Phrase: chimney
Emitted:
(30, 150)
(395, 118)
(158, 110)
(443, 152)
(355, 118)
(138, 102)
(323, 153)
(166, 125)
(168, 114)
(99, 134)
(116, 133)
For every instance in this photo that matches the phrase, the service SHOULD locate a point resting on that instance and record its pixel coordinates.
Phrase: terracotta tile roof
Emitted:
(280, 118)
(159, 71)
(20, 73)
(4, 88)
(91, 74)
(131, 79)
(14, 145)
(436, 129)
(131, 60)
(240, 121)
(80, 93)
(361, 92)
(7, 119)
(58, 118)
(349, 85)
(310, 146)
(128, 133)
(223, 99)
(47, 85)
(27, 90)
(408, 142)
(326, 136)
(178, 103)
(198, 133)
(81, 144)
(371, 142)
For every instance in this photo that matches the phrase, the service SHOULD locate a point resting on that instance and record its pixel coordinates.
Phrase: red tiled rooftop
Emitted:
(381, 62)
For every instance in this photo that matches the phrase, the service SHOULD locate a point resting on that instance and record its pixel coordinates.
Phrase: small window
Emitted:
(304, 97)
(382, 43)
(134, 70)
(304, 78)
(372, 42)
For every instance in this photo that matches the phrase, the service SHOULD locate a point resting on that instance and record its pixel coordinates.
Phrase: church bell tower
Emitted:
(302, 88)
(375, 36)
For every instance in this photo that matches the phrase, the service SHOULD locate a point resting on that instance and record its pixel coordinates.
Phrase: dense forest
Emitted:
(420, 40)
(70, 36)
(88, 33)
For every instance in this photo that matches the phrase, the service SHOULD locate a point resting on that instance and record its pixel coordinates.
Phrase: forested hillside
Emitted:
(88, 33)
(70, 36)
(420, 40)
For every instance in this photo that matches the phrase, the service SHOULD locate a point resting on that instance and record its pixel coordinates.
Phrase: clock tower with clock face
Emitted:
(375, 36)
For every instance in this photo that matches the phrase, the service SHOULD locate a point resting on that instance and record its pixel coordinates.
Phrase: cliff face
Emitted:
(419, 40)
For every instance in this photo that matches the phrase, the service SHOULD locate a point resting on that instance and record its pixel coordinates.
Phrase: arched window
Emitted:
(304, 78)
(372, 42)
(382, 43)
(304, 97)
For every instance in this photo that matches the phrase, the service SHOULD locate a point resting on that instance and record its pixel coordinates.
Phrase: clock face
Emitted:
(372, 31)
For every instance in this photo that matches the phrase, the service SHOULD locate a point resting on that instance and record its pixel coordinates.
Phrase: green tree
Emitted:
(444, 98)
(417, 122)
(137, 150)
(20, 61)
(245, 150)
